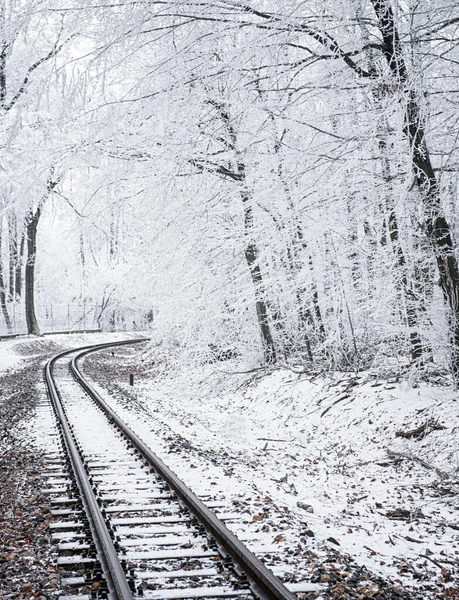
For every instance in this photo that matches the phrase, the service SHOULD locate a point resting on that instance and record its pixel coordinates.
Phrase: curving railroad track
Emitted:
(127, 527)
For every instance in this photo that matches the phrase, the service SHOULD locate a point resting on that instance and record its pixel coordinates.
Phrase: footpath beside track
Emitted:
(129, 527)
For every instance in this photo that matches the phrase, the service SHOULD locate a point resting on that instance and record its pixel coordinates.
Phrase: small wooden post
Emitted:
(131, 379)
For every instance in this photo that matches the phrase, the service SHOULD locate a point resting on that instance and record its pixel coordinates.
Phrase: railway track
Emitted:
(127, 527)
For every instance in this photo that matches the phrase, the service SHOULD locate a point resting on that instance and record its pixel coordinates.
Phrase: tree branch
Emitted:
(53, 52)
(202, 166)
(278, 23)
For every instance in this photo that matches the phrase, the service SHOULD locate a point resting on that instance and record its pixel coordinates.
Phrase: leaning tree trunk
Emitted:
(438, 229)
(31, 319)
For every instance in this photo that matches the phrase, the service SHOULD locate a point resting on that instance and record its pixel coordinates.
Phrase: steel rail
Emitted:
(7, 336)
(263, 582)
(116, 578)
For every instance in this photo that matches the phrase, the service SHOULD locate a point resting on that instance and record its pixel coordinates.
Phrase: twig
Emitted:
(371, 550)
(425, 464)
(437, 564)
(254, 370)
(367, 462)
(301, 446)
(421, 431)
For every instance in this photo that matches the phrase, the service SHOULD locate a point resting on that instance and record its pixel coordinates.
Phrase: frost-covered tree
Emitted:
(31, 39)
(276, 181)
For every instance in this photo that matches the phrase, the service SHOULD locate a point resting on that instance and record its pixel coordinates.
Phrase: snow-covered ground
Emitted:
(327, 450)
(315, 463)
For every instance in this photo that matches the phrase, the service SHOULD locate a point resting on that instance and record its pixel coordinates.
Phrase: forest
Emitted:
(275, 181)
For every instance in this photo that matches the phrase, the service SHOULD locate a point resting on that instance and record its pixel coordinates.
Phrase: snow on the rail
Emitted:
(15, 352)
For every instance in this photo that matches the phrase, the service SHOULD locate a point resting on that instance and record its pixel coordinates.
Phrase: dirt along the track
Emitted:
(27, 554)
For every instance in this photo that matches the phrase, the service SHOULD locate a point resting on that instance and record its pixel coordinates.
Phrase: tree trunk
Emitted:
(316, 304)
(237, 173)
(3, 291)
(410, 296)
(297, 249)
(31, 319)
(416, 346)
(296, 246)
(13, 254)
(290, 263)
(438, 229)
(404, 286)
(313, 318)
(252, 256)
(18, 270)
